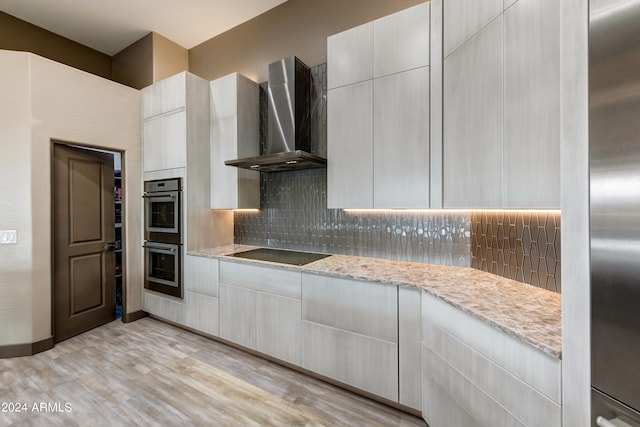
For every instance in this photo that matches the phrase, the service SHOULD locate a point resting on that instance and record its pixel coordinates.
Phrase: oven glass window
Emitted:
(162, 266)
(163, 214)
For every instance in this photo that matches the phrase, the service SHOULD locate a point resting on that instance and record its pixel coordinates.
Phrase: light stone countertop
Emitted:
(529, 313)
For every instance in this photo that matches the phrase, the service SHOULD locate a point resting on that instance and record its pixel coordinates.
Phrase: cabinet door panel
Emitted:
(350, 56)
(532, 104)
(401, 140)
(409, 351)
(238, 315)
(401, 41)
(350, 146)
(357, 360)
(473, 109)
(279, 327)
(224, 96)
(151, 101)
(224, 179)
(174, 92)
(464, 18)
(174, 140)
(365, 308)
(152, 150)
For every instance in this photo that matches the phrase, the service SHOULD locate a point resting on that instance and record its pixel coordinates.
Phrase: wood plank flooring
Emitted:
(148, 373)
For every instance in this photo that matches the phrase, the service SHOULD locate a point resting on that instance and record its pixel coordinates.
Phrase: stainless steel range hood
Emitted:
(289, 141)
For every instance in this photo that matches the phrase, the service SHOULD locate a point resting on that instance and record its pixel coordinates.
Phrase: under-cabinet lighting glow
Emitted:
(437, 211)
(247, 210)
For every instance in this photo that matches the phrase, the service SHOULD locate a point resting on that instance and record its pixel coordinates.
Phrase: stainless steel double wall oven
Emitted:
(163, 236)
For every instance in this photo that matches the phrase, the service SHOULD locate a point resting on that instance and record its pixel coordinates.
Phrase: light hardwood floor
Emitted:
(150, 373)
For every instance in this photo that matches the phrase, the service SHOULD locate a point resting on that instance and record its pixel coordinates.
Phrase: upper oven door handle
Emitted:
(172, 194)
(160, 248)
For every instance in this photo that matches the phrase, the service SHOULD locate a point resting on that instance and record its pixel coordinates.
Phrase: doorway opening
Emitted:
(88, 242)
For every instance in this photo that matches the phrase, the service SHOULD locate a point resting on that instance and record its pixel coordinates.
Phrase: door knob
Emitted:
(110, 246)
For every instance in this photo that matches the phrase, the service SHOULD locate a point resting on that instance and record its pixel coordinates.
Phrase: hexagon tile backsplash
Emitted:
(523, 246)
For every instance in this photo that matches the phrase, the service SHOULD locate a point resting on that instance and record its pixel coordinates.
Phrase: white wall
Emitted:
(15, 199)
(68, 105)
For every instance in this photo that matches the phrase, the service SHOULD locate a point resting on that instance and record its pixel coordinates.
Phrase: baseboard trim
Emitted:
(132, 317)
(21, 350)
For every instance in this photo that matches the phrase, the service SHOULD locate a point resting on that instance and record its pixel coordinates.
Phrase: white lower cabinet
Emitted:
(168, 308)
(238, 315)
(349, 332)
(409, 359)
(202, 313)
(478, 375)
(260, 309)
(279, 328)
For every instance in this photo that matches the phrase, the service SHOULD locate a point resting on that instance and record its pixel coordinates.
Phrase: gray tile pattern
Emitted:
(523, 246)
(293, 215)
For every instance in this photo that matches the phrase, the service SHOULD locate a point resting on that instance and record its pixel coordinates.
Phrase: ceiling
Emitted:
(111, 25)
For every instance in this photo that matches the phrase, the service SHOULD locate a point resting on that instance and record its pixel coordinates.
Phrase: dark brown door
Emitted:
(83, 228)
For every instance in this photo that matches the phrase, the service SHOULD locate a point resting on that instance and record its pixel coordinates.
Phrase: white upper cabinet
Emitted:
(234, 134)
(164, 96)
(501, 106)
(532, 104)
(378, 113)
(472, 106)
(401, 41)
(174, 112)
(464, 18)
(401, 148)
(350, 56)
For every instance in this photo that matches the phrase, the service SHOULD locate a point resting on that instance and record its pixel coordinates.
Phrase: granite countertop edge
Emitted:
(540, 307)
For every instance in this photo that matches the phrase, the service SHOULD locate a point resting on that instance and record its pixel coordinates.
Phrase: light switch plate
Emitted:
(8, 237)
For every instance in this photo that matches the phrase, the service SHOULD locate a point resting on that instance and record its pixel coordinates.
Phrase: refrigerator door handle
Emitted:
(616, 422)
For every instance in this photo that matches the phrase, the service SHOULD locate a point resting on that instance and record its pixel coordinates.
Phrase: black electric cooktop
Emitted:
(280, 256)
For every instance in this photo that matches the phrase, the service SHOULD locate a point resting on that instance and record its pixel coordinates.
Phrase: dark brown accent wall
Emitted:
(16, 34)
(296, 27)
(133, 66)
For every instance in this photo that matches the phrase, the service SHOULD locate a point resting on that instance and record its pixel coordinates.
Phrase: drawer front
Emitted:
(365, 308)
(532, 366)
(270, 280)
(366, 363)
(527, 404)
(441, 410)
(202, 313)
(201, 275)
(165, 308)
(485, 409)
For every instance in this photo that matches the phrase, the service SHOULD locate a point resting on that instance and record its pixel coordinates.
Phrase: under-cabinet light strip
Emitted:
(445, 211)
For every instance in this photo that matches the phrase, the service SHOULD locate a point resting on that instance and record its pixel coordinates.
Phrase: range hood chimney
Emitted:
(288, 145)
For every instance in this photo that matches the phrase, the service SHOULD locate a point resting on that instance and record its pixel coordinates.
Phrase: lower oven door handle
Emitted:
(158, 248)
(172, 194)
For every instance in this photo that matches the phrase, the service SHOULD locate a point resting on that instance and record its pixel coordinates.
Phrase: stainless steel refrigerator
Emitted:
(614, 135)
